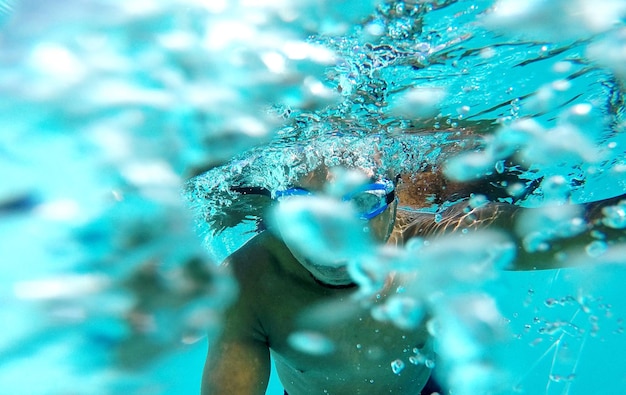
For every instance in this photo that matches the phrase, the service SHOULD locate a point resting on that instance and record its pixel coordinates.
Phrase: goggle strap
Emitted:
(252, 191)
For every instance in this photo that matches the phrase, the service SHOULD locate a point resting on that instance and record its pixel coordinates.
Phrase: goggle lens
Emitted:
(370, 200)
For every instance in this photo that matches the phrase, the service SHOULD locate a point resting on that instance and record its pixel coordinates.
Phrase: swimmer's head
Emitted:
(368, 198)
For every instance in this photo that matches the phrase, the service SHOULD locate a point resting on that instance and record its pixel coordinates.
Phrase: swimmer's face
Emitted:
(378, 221)
(336, 273)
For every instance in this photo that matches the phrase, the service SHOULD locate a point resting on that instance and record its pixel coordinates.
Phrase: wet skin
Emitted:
(279, 297)
(282, 293)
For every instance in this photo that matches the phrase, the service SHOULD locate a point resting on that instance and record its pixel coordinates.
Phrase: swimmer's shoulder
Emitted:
(261, 256)
(266, 257)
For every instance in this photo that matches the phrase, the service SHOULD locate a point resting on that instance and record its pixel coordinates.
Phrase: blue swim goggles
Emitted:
(369, 200)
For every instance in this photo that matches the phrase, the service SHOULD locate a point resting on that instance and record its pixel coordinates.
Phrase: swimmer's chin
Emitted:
(335, 283)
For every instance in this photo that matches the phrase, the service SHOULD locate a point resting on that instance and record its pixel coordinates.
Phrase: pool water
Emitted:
(118, 116)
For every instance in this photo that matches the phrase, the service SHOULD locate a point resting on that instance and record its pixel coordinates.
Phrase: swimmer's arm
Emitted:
(504, 216)
(572, 251)
(238, 362)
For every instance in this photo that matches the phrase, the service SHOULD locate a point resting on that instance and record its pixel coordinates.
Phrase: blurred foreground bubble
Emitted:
(578, 19)
(540, 226)
(66, 287)
(484, 253)
(610, 51)
(404, 312)
(310, 342)
(198, 78)
(471, 336)
(323, 229)
(417, 103)
(615, 216)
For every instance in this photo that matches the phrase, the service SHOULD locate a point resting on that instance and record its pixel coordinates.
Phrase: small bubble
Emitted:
(562, 67)
(596, 234)
(581, 109)
(551, 302)
(560, 378)
(500, 166)
(487, 53)
(561, 85)
(463, 110)
(309, 342)
(477, 200)
(596, 248)
(397, 366)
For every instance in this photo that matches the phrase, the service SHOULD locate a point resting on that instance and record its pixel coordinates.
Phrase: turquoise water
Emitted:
(109, 107)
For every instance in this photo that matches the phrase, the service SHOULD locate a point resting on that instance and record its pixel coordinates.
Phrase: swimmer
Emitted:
(285, 294)
(301, 311)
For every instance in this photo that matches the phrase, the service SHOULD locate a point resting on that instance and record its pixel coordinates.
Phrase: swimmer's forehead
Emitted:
(318, 178)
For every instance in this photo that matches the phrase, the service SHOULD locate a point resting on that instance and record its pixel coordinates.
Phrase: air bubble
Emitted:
(559, 378)
(310, 342)
(596, 248)
(551, 302)
(615, 216)
(397, 366)
(500, 166)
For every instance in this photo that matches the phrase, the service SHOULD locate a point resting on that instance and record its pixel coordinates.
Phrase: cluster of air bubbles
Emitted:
(203, 75)
(527, 141)
(112, 105)
(418, 358)
(563, 326)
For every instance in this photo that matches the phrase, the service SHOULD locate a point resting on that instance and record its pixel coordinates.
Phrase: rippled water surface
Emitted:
(117, 117)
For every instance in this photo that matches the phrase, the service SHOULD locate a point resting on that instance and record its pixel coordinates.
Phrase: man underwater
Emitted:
(299, 307)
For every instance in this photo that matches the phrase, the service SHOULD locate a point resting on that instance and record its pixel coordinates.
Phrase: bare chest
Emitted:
(332, 343)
